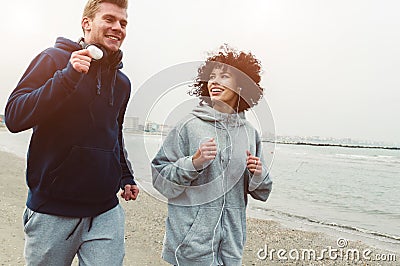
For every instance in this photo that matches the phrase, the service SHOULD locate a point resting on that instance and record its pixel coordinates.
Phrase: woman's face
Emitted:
(222, 87)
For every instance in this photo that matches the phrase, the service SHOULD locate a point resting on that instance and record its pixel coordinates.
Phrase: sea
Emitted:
(351, 193)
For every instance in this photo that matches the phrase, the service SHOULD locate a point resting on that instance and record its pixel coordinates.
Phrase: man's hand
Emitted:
(80, 60)
(130, 192)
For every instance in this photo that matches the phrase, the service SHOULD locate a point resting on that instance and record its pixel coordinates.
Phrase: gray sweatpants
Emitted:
(55, 240)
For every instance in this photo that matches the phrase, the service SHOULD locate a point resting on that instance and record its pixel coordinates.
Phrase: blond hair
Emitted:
(92, 6)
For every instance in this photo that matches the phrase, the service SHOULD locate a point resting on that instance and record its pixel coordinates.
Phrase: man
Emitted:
(76, 161)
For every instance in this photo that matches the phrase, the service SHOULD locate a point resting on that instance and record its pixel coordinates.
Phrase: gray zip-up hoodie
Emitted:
(206, 223)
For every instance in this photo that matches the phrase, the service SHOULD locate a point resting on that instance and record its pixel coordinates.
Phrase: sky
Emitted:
(330, 68)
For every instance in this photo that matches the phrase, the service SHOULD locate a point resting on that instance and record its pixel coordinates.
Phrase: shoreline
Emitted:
(144, 230)
(353, 146)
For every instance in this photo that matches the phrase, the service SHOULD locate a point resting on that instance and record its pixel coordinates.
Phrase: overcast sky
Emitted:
(331, 67)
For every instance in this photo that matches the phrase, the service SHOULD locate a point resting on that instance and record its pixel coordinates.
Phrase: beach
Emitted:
(144, 232)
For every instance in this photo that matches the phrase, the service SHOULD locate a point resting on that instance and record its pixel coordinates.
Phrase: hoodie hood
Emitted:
(111, 63)
(67, 45)
(222, 120)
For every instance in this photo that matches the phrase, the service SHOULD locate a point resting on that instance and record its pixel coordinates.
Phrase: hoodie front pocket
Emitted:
(87, 175)
(197, 244)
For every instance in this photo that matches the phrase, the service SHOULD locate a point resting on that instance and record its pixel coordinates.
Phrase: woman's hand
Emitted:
(205, 153)
(254, 164)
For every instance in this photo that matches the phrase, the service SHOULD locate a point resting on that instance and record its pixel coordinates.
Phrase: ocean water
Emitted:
(351, 190)
(348, 189)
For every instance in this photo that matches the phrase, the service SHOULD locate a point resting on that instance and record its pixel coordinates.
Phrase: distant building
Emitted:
(165, 129)
(2, 121)
(151, 127)
(268, 136)
(140, 127)
(131, 123)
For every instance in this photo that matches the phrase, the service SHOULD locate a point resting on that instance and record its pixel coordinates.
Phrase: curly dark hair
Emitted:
(244, 66)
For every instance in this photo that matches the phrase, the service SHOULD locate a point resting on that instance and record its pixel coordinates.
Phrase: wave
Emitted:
(376, 158)
(393, 239)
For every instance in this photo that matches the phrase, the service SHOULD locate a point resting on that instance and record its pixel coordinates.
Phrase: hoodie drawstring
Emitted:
(76, 226)
(98, 77)
(90, 224)
(73, 231)
(113, 81)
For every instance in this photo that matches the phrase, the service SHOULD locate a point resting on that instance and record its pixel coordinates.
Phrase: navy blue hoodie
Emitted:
(76, 159)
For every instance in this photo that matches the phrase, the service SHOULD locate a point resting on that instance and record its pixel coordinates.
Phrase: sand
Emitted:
(145, 229)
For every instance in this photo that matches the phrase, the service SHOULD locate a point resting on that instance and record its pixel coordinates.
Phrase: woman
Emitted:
(210, 161)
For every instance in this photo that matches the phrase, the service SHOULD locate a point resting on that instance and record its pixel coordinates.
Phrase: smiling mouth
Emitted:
(114, 38)
(216, 91)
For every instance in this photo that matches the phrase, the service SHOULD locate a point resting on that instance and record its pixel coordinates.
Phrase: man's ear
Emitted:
(86, 25)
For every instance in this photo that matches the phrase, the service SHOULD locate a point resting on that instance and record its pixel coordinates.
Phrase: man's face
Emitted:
(107, 28)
